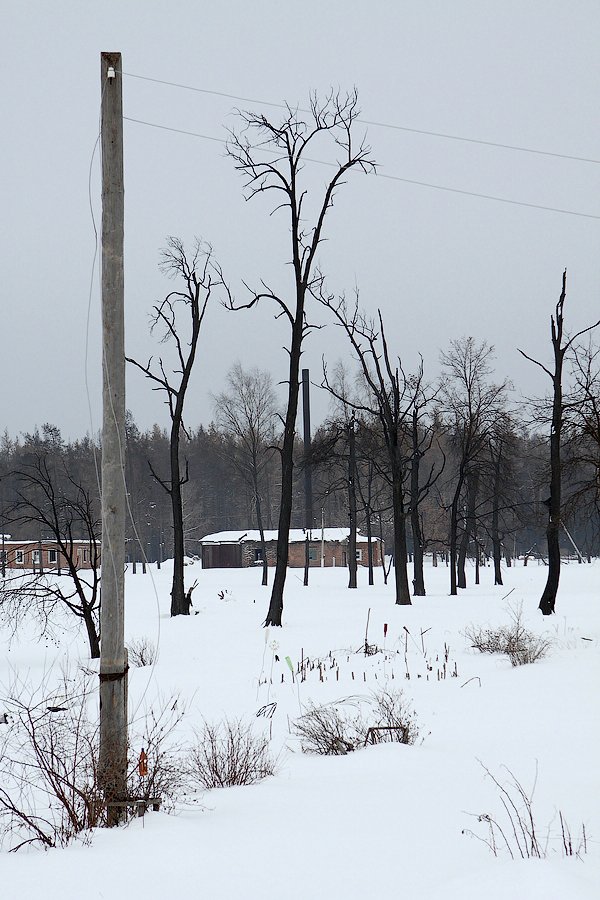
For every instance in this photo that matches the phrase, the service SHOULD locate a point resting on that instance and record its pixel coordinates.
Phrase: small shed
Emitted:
(326, 546)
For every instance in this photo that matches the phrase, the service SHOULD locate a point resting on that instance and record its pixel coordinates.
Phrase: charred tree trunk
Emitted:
(92, 633)
(468, 534)
(275, 610)
(400, 552)
(496, 541)
(548, 598)
(454, 534)
(352, 566)
(179, 606)
(370, 545)
(417, 536)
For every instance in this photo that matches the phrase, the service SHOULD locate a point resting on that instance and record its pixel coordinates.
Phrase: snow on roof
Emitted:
(297, 535)
(34, 542)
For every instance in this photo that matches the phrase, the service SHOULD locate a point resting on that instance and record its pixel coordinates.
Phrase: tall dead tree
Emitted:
(272, 157)
(560, 346)
(390, 400)
(422, 434)
(199, 274)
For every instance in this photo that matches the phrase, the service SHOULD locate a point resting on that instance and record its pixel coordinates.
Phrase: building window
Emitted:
(85, 556)
(312, 554)
(359, 556)
(35, 557)
(51, 556)
(19, 557)
(258, 554)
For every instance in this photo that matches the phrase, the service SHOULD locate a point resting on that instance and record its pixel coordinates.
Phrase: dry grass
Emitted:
(514, 640)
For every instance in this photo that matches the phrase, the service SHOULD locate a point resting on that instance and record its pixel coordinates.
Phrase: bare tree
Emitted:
(199, 274)
(246, 412)
(390, 400)
(272, 157)
(560, 347)
(422, 434)
(471, 405)
(52, 500)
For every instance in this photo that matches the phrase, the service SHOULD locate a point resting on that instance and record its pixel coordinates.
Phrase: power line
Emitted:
(437, 134)
(427, 184)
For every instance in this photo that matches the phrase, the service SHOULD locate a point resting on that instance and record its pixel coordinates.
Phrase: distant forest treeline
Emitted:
(505, 493)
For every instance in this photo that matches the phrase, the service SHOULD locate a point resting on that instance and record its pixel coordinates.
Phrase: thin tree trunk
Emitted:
(418, 575)
(92, 634)
(548, 598)
(400, 554)
(496, 542)
(287, 471)
(352, 567)
(370, 545)
(261, 530)
(454, 533)
(469, 529)
(179, 605)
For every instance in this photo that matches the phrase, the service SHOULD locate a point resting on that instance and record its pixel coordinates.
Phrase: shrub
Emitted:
(328, 731)
(227, 754)
(520, 645)
(516, 831)
(48, 765)
(391, 710)
(166, 776)
(142, 652)
(334, 730)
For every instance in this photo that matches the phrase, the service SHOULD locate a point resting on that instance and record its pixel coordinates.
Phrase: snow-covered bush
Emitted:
(517, 642)
(338, 728)
(227, 754)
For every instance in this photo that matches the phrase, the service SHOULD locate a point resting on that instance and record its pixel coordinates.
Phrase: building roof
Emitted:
(34, 542)
(297, 536)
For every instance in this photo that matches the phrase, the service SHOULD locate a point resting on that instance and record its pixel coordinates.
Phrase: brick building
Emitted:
(43, 554)
(239, 549)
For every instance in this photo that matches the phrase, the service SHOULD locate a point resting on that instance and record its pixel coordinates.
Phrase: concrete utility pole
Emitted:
(113, 664)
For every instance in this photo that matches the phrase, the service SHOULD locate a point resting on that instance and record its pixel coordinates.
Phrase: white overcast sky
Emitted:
(439, 265)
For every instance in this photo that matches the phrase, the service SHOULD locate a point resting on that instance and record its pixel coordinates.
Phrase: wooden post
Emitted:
(113, 674)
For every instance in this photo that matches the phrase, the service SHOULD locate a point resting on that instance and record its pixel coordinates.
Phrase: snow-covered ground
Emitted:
(385, 821)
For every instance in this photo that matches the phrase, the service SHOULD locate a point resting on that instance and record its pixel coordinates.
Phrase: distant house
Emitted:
(43, 555)
(239, 549)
